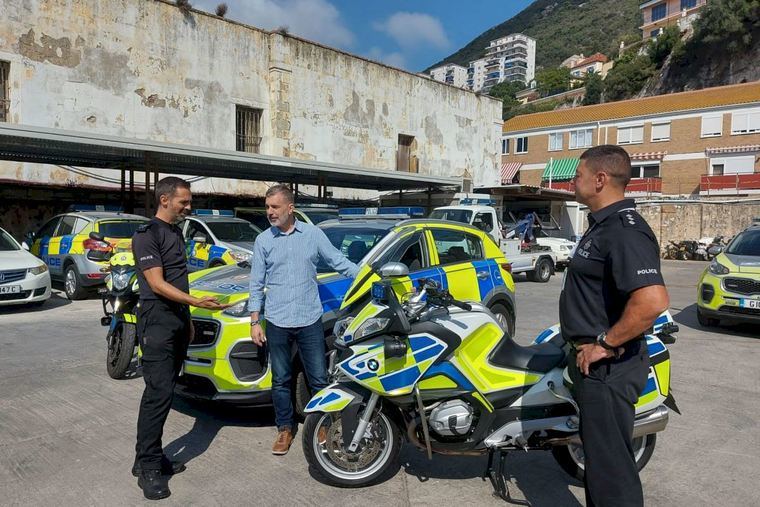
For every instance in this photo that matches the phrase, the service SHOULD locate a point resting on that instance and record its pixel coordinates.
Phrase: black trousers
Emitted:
(164, 332)
(606, 399)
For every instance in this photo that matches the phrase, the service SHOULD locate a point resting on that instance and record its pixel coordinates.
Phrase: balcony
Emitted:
(729, 184)
(638, 187)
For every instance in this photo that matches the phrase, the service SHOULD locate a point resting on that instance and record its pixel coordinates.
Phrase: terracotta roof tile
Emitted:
(675, 102)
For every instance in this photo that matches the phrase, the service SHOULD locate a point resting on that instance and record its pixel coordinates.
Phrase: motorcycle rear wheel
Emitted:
(571, 457)
(121, 351)
(376, 459)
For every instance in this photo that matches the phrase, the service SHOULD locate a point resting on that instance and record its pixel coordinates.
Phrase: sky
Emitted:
(411, 34)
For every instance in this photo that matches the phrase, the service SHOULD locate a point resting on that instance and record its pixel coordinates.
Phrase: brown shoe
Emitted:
(322, 435)
(282, 443)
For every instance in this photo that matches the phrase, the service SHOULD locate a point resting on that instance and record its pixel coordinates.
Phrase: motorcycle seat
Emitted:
(540, 357)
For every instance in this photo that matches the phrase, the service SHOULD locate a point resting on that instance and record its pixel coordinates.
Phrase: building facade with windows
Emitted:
(699, 143)
(658, 14)
(451, 73)
(150, 71)
(510, 58)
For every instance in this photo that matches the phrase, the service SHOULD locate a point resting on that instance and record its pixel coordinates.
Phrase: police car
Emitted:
(215, 238)
(309, 213)
(63, 243)
(223, 363)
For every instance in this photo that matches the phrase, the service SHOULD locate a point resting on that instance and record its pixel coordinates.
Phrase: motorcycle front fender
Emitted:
(333, 398)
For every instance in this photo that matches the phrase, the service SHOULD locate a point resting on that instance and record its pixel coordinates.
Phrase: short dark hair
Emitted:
(281, 189)
(168, 186)
(611, 159)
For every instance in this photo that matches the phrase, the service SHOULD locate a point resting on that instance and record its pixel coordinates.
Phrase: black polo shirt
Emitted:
(617, 255)
(159, 243)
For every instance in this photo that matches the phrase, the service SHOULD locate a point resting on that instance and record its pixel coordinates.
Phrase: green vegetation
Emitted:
(553, 81)
(594, 89)
(563, 28)
(628, 76)
(660, 48)
(506, 92)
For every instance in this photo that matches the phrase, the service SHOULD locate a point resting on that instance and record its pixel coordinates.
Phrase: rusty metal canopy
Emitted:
(529, 192)
(24, 143)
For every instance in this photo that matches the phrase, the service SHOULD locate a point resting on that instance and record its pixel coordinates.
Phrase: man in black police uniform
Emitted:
(164, 327)
(612, 294)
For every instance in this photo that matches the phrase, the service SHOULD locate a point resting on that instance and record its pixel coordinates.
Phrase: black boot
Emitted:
(167, 467)
(154, 486)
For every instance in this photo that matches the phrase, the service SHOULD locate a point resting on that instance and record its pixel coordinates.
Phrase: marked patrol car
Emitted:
(216, 238)
(223, 363)
(63, 243)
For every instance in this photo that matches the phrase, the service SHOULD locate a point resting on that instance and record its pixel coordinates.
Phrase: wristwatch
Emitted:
(254, 323)
(601, 339)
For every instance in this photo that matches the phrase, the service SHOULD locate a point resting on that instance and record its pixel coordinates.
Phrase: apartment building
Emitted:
(510, 58)
(450, 73)
(597, 63)
(657, 14)
(698, 143)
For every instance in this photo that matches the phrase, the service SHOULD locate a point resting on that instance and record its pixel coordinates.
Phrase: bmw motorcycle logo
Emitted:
(373, 365)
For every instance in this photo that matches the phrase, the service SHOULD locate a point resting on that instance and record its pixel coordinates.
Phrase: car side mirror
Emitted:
(393, 270)
(97, 236)
(200, 238)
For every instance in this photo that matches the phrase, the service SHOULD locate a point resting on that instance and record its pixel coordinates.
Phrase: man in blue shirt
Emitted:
(284, 261)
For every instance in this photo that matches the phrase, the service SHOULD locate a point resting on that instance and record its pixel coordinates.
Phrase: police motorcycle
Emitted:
(120, 298)
(444, 375)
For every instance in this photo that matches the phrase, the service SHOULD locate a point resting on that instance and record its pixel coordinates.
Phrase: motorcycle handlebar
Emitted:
(460, 304)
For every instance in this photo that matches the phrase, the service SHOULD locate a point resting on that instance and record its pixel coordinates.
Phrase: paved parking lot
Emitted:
(67, 430)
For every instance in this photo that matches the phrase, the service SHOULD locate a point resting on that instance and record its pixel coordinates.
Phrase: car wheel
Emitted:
(505, 317)
(542, 272)
(71, 284)
(301, 392)
(705, 321)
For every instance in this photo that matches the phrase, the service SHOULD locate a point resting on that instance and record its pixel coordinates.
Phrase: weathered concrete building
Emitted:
(145, 69)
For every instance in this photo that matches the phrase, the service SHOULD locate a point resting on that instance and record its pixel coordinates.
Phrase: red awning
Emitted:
(747, 148)
(508, 171)
(651, 155)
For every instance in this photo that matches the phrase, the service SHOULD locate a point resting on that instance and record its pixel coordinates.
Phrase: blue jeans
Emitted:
(310, 341)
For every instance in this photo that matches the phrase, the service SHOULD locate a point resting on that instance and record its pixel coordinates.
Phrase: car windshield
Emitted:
(320, 216)
(120, 229)
(746, 243)
(7, 243)
(352, 241)
(455, 215)
(235, 231)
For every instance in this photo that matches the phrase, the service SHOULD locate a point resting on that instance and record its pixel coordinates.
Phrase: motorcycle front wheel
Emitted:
(121, 350)
(375, 459)
(571, 457)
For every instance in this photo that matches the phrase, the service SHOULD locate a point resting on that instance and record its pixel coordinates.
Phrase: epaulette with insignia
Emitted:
(629, 218)
(144, 227)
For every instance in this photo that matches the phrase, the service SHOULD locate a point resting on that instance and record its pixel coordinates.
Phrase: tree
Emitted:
(553, 81)
(594, 89)
(661, 46)
(506, 91)
(627, 77)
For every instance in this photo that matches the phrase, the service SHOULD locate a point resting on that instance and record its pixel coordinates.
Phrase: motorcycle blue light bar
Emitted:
(214, 212)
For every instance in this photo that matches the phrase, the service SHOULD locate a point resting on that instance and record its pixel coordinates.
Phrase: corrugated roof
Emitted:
(674, 102)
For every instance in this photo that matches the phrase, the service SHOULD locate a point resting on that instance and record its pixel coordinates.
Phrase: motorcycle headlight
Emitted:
(38, 270)
(371, 326)
(238, 310)
(339, 329)
(716, 268)
(240, 255)
(120, 279)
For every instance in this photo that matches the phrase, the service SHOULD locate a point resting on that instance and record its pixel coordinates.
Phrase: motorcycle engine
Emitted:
(451, 418)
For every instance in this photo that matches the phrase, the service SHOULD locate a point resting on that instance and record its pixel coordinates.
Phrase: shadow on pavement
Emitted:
(688, 317)
(536, 481)
(55, 301)
(209, 419)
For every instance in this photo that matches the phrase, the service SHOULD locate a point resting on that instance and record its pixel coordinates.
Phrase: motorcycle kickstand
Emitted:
(496, 476)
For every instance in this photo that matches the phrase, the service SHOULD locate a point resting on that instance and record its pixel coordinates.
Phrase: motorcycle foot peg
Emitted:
(105, 321)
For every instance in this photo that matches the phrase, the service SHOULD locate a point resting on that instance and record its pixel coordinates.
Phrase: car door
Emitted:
(460, 257)
(41, 244)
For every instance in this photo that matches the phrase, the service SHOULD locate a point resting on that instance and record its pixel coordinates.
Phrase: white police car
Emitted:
(217, 238)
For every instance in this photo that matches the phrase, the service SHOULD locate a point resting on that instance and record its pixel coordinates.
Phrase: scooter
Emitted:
(444, 375)
(120, 298)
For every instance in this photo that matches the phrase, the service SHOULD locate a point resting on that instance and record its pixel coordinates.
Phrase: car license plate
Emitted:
(751, 303)
(10, 289)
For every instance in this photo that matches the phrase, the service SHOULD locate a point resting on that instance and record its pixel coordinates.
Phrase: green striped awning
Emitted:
(560, 169)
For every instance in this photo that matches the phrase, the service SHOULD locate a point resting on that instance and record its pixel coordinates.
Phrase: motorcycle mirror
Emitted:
(97, 236)
(393, 270)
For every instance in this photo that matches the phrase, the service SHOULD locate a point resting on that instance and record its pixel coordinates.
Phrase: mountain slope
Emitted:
(562, 28)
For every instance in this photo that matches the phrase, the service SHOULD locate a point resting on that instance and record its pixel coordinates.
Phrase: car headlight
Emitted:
(38, 270)
(240, 256)
(238, 310)
(370, 326)
(120, 279)
(716, 268)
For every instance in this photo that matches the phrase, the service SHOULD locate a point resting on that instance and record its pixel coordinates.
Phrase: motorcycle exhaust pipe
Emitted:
(652, 422)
